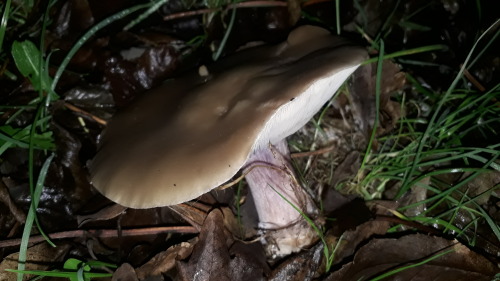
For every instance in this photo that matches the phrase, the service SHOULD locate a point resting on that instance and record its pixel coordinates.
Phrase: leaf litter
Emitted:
(112, 68)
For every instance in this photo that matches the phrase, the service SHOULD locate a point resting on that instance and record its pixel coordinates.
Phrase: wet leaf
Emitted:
(107, 213)
(39, 257)
(301, 267)
(165, 261)
(352, 239)
(211, 258)
(381, 256)
(15, 211)
(210, 255)
(124, 273)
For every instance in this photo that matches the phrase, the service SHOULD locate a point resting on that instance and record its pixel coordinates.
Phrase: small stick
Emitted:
(104, 233)
(249, 4)
(83, 112)
(315, 152)
(473, 80)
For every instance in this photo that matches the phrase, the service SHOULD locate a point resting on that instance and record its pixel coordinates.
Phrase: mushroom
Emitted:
(194, 133)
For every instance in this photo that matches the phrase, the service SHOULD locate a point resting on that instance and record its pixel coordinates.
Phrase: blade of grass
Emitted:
(386, 24)
(146, 14)
(377, 106)
(31, 216)
(3, 22)
(337, 15)
(62, 274)
(495, 25)
(392, 272)
(326, 250)
(40, 113)
(44, 68)
(90, 33)
(217, 54)
(31, 164)
(413, 51)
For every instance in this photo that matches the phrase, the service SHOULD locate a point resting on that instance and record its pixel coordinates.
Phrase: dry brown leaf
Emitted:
(381, 256)
(212, 260)
(38, 257)
(301, 267)
(165, 261)
(124, 273)
(106, 213)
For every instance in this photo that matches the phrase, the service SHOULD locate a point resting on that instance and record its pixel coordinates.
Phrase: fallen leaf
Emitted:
(106, 213)
(124, 273)
(38, 257)
(301, 267)
(165, 261)
(381, 256)
(212, 260)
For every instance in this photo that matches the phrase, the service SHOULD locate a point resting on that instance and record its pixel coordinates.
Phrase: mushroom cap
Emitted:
(194, 133)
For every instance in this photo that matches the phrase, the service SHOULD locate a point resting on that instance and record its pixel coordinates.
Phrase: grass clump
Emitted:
(441, 153)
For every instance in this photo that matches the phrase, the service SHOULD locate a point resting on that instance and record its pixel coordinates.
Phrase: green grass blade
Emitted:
(326, 250)
(377, 106)
(408, 52)
(226, 36)
(31, 216)
(31, 164)
(3, 23)
(154, 7)
(61, 274)
(337, 15)
(381, 277)
(89, 34)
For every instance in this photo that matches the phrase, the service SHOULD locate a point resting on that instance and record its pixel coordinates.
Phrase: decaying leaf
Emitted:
(124, 273)
(106, 213)
(38, 257)
(381, 256)
(212, 258)
(165, 261)
(302, 267)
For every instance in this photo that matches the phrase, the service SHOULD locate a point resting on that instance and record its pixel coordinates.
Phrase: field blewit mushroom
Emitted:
(195, 133)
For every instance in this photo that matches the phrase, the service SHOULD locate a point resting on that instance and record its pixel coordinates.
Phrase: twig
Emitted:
(310, 153)
(248, 4)
(104, 233)
(83, 112)
(473, 80)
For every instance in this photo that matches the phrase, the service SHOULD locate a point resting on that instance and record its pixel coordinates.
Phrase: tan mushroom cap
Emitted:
(194, 133)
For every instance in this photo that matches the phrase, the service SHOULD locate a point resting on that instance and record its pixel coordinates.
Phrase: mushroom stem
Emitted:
(269, 175)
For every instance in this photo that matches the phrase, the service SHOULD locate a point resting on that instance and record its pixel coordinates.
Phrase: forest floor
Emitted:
(402, 163)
